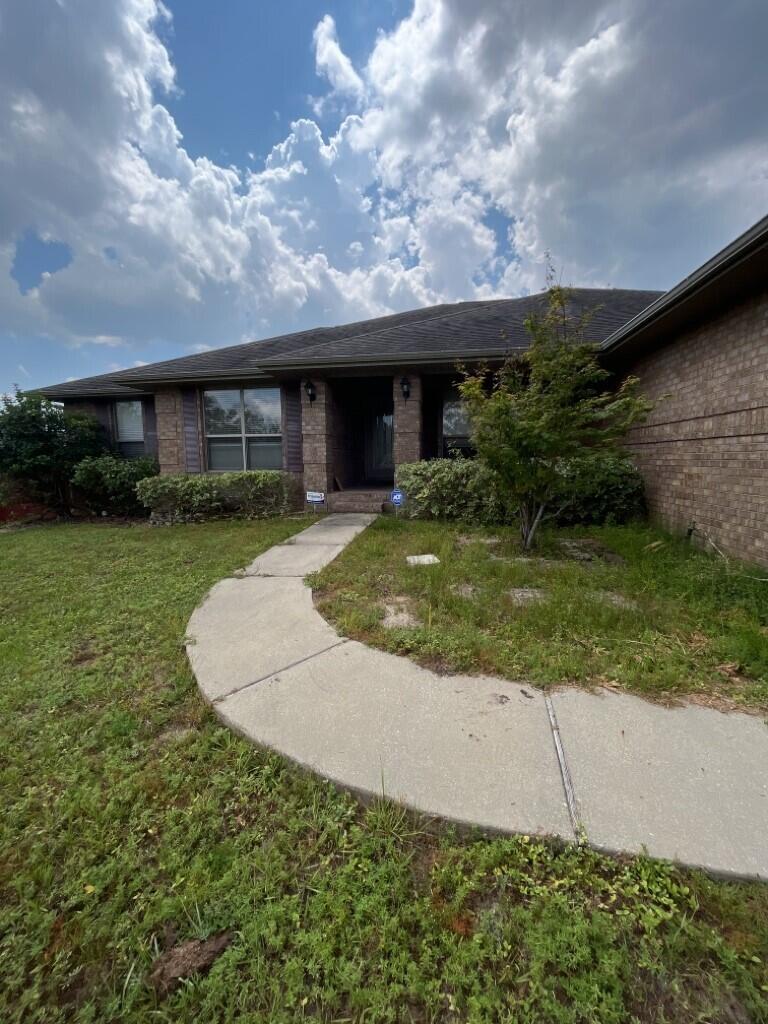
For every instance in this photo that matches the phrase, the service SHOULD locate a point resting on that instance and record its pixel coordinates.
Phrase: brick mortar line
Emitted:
(700, 416)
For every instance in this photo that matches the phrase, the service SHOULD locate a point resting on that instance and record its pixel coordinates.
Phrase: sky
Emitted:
(180, 176)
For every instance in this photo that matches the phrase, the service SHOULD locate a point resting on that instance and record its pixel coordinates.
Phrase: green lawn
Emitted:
(132, 822)
(655, 616)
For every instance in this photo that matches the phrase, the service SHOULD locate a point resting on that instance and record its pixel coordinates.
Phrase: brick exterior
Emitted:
(704, 449)
(317, 427)
(170, 430)
(407, 424)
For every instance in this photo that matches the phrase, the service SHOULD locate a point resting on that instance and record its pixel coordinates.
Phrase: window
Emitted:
(456, 429)
(130, 429)
(243, 429)
(130, 423)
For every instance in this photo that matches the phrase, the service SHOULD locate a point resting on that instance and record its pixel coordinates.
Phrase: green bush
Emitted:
(187, 497)
(605, 488)
(40, 445)
(459, 488)
(108, 483)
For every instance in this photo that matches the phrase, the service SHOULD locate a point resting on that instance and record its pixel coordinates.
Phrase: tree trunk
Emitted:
(530, 517)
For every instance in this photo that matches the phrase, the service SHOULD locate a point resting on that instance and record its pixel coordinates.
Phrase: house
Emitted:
(342, 407)
(701, 350)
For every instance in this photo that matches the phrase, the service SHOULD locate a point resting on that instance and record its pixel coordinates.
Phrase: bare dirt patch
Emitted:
(526, 595)
(179, 962)
(490, 542)
(587, 549)
(618, 600)
(397, 615)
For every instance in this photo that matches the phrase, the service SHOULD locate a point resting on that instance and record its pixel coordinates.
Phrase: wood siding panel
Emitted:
(293, 459)
(191, 431)
(150, 427)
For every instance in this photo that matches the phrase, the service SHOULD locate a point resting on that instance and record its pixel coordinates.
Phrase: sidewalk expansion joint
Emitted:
(255, 682)
(565, 774)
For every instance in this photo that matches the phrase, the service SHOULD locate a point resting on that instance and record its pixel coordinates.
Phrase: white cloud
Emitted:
(609, 132)
(332, 63)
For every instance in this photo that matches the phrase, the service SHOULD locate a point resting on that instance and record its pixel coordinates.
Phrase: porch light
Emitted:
(310, 389)
(405, 387)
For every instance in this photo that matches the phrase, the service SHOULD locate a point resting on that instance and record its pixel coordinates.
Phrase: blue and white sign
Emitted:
(315, 497)
(397, 497)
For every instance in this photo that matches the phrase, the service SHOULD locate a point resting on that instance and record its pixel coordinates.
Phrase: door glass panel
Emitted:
(262, 410)
(222, 412)
(455, 419)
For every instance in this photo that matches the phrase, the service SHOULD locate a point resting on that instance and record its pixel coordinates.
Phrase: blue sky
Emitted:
(186, 176)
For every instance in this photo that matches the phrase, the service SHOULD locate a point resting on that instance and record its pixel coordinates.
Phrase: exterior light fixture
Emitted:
(310, 389)
(405, 387)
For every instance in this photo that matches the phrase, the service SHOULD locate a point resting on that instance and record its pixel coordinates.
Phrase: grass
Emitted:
(132, 822)
(692, 625)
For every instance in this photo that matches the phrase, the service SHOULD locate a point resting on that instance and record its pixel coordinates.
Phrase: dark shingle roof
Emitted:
(463, 330)
(106, 385)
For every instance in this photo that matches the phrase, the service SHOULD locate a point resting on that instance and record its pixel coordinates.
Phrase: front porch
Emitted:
(356, 431)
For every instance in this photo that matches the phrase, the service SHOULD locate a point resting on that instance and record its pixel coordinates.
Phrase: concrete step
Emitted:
(358, 501)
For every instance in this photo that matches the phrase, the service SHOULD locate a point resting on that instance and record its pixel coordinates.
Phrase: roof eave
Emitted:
(728, 259)
(293, 365)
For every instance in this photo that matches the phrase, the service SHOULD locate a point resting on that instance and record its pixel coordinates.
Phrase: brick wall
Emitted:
(407, 423)
(704, 449)
(317, 426)
(170, 430)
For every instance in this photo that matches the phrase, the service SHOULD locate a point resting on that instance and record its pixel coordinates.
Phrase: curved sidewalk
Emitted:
(689, 784)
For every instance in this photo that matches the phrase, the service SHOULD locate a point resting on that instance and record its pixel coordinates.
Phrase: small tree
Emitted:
(40, 445)
(547, 411)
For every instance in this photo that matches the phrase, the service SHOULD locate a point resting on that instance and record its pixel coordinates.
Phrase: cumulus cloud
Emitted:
(475, 138)
(333, 63)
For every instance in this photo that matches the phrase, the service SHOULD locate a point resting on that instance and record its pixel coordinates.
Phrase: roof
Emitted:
(436, 334)
(106, 385)
(730, 275)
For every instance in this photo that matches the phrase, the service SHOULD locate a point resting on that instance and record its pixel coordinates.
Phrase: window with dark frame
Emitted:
(243, 429)
(456, 430)
(129, 423)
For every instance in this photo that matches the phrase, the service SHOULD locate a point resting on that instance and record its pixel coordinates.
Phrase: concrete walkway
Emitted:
(689, 784)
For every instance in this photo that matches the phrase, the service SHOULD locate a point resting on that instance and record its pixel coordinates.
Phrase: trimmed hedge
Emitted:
(188, 497)
(107, 483)
(604, 489)
(458, 488)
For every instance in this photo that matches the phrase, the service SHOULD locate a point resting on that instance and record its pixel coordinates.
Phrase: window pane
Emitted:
(222, 412)
(130, 422)
(131, 449)
(455, 419)
(262, 411)
(265, 453)
(225, 454)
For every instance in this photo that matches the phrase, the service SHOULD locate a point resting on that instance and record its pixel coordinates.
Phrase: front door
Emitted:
(379, 464)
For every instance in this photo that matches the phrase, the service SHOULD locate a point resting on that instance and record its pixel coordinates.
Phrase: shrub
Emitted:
(549, 406)
(604, 488)
(188, 497)
(108, 483)
(461, 489)
(40, 445)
